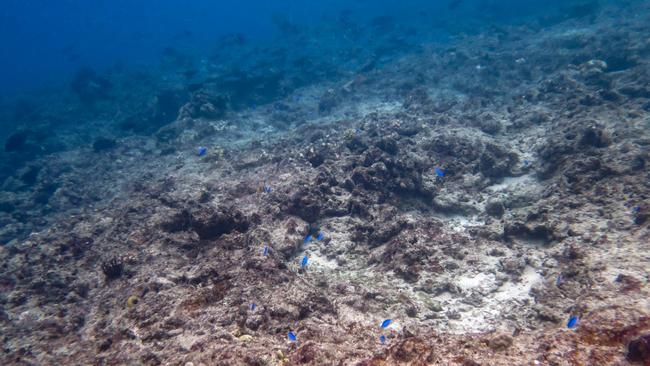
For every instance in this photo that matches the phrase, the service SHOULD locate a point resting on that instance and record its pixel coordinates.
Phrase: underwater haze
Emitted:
(44, 41)
(446, 182)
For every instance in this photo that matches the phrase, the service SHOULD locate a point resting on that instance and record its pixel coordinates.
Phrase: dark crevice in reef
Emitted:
(378, 233)
(207, 222)
(620, 63)
(528, 233)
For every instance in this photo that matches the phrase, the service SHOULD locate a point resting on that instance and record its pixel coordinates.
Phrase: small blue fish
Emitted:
(266, 188)
(636, 209)
(253, 307)
(559, 280)
(386, 323)
(292, 336)
(439, 172)
(382, 339)
(265, 252)
(320, 236)
(303, 264)
(573, 320)
(202, 151)
(308, 239)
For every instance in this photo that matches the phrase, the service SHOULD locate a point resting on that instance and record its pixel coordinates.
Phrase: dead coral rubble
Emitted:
(150, 254)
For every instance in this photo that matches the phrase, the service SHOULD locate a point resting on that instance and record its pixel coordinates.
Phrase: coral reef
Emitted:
(479, 208)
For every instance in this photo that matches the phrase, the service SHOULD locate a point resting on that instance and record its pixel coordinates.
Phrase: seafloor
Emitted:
(123, 246)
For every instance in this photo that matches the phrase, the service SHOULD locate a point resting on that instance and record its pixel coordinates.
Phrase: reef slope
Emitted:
(541, 214)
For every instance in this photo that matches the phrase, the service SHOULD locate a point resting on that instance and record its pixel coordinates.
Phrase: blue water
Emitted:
(44, 42)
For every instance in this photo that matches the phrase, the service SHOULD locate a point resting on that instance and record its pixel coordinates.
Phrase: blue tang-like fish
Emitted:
(386, 323)
(303, 264)
(292, 336)
(573, 321)
(439, 172)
